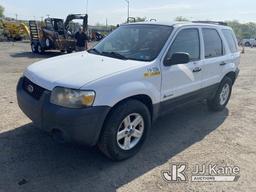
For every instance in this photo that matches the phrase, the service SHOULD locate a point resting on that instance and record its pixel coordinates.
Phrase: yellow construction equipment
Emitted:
(14, 30)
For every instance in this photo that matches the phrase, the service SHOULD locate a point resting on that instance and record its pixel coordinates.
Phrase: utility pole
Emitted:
(128, 7)
(87, 1)
(16, 15)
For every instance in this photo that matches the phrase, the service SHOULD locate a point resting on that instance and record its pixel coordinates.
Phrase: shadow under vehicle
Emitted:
(55, 33)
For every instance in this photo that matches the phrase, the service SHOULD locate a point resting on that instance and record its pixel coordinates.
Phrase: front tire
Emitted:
(69, 51)
(125, 130)
(40, 49)
(221, 99)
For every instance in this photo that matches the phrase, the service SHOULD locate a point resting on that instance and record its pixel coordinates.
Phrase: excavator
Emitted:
(55, 33)
(14, 30)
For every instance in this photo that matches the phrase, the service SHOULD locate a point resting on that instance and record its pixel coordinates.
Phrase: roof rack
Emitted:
(212, 22)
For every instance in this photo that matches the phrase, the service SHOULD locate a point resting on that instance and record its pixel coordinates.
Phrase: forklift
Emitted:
(55, 33)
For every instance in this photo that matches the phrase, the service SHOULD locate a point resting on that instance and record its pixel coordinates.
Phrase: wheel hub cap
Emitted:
(130, 131)
(224, 94)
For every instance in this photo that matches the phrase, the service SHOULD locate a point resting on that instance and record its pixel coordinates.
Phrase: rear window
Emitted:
(230, 39)
(212, 43)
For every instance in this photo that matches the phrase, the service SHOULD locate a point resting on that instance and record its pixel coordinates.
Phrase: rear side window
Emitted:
(212, 43)
(186, 41)
(230, 39)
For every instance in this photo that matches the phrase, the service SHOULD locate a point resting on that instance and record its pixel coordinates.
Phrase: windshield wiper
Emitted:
(94, 50)
(115, 55)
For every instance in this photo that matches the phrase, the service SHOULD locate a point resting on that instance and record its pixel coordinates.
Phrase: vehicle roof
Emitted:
(180, 24)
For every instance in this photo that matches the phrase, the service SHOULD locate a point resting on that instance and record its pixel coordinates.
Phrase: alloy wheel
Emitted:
(130, 131)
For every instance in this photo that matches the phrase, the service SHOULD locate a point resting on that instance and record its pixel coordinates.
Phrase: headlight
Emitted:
(72, 98)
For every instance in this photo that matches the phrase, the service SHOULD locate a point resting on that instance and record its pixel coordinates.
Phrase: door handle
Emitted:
(197, 69)
(223, 63)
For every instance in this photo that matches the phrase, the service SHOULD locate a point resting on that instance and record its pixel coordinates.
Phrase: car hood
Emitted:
(76, 70)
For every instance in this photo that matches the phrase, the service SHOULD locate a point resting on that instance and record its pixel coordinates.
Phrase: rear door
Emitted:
(182, 79)
(214, 57)
(233, 53)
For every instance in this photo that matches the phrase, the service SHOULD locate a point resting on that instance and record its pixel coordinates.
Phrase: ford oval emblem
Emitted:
(30, 88)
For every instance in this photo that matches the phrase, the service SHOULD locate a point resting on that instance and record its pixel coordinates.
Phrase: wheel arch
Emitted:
(231, 75)
(143, 98)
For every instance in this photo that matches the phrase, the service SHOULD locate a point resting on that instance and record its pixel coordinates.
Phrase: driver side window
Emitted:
(186, 41)
(49, 25)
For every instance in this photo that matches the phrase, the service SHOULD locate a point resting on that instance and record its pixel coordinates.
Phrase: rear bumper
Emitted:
(237, 72)
(79, 125)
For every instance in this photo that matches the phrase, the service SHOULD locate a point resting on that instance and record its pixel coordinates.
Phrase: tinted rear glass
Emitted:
(230, 39)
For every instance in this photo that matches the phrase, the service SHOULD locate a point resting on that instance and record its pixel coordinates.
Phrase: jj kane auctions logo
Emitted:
(178, 172)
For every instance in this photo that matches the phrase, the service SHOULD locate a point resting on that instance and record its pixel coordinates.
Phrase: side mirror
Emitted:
(177, 58)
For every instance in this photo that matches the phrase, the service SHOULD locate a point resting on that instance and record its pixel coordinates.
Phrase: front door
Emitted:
(182, 80)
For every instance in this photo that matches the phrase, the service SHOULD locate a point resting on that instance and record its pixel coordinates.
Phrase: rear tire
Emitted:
(48, 43)
(69, 51)
(221, 99)
(121, 138)
(34, 48)
(247, 44)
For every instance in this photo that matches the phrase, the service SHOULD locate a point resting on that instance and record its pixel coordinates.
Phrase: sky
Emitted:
(115, 11)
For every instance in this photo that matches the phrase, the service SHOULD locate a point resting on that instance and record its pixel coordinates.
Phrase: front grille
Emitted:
(32, 89)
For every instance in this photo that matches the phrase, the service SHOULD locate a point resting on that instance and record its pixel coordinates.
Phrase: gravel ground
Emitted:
(31, 161)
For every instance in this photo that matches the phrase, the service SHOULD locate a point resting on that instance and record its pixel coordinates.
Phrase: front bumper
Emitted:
(79, 125)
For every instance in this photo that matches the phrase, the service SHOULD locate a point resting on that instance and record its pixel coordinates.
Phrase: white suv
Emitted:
(111, 94)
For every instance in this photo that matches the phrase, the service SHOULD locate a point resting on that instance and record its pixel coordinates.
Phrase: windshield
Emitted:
(135, 42)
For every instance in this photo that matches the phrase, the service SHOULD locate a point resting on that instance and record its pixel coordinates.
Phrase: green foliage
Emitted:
(140, 19)
(242, 31)
(180, 18)
(1, 11)
(136, 19)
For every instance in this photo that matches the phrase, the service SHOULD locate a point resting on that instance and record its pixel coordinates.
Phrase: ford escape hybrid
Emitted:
(110, 95)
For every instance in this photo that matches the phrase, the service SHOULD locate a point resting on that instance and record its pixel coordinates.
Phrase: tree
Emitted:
(140, 19)
(180, 18)
(1, 11)
(136, 19)
(243, 31)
